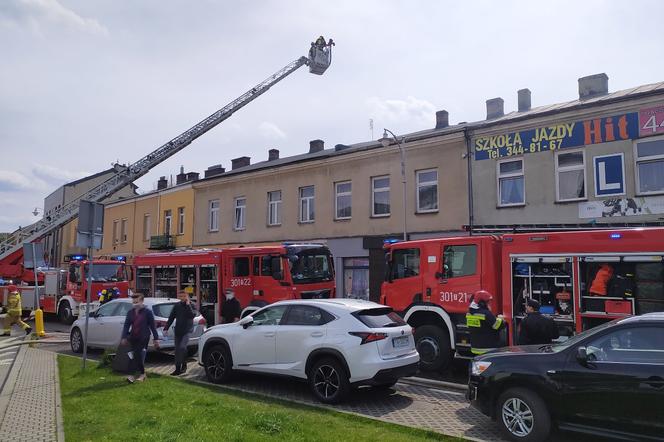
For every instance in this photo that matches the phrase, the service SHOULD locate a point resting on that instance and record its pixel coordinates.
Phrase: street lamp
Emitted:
(386, 141)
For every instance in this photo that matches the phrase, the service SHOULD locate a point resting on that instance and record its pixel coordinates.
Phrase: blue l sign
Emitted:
(609, 175)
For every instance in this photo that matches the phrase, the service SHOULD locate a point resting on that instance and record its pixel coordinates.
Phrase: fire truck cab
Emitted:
(257, 275)
(581, 279)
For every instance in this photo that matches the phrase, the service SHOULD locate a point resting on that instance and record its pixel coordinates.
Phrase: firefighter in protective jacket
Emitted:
(14, 310)
(484, 327)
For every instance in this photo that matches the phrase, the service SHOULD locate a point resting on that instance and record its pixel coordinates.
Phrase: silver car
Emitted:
(105, 325)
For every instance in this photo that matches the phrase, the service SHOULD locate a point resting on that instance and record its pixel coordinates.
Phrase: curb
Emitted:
(59, 422)
(10, 382)
(414, 380)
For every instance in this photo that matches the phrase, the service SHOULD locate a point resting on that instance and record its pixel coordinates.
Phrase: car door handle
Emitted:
(317, 334)
(268, 334)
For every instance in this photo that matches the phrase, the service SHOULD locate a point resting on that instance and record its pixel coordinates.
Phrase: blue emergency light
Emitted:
(78, 257)
(616, 236)
(390, 241)
(120, 258)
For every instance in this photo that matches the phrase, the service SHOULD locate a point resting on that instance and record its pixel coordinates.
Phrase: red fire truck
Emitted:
(580, 278)
(63, 291)
(257, 275)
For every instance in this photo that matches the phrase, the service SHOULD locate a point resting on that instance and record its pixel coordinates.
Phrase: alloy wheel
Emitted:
(517, 417)
(76, 340)
(326, 381)
(216, 364)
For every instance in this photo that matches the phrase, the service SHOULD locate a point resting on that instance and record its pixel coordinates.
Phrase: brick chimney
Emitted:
(240, 162)
(524, 99)
(273, 154)
(442, 119)
(162, 183)
(593, 86)
(214, 170)
(495, 108)
(316, 146)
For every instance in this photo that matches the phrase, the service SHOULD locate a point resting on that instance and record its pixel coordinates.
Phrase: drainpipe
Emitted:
(471, 220)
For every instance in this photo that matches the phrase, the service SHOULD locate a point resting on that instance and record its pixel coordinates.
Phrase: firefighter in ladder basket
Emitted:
(483, 325)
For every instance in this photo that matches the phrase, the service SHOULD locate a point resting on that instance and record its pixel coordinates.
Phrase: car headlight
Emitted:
(479, 367)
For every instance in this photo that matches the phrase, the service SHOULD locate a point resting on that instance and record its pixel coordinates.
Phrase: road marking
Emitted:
(6, 362)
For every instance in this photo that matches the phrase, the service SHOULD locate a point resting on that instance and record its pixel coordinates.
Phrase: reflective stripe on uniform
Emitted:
(474, 319)
(498, 323)
(480, 351)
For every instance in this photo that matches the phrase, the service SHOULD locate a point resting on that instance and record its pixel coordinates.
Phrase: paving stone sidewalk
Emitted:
(30, 405)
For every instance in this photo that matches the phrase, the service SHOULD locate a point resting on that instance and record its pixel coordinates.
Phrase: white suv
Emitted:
(335, 344)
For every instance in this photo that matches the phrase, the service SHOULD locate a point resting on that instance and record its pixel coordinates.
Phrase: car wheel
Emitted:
(64, 313)
(218, 364)
(328, 381)
(76, 341)
(433, 345)
(523, 416)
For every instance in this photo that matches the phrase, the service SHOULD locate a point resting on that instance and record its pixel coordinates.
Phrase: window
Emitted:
(240, 207)
(356, 278)
(107, 310)
(213, 216)
(180, 220)
(511, 191)
(380, 196)
(269, 316)
(146, 227)
(343, 200)
(459, 261)
(241, 266)
(307, 315)
(266, 265)
(274, 208)
(380, 318)
(307, 214)
(168, 221)
(123, 309)
(629, 345)
(570, 176)
(123, 230)
(427, 191)
(650, 166)
(115, 232)
(405, 263)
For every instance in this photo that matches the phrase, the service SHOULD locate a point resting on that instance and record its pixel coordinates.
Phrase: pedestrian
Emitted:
(14, 311)
(537, 329)
(483, 325)
(230, 310)
(183, 315)
(138, 325)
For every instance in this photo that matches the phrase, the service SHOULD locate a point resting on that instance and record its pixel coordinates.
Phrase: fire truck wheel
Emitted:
(522, 415)
(433, 345)
(76, 341)
(64, 313)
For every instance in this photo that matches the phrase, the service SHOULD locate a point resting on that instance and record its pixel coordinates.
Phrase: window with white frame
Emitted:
(115, 231)
(427, 190)
(570, 176)
(511, 183)
(123, 230)
(240, 209)
(274, 208)
(146, 227)
(307, 214)
(649, 158)
(168, 221)
(343, 200)
(213, 216)
(180, 220)
(380, 196)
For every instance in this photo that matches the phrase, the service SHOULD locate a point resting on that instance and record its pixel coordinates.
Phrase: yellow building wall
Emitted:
(172, 201)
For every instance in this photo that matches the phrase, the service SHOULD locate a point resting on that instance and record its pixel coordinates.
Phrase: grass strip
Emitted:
(100, 405)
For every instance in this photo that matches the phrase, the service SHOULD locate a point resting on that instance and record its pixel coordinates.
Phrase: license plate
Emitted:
(400, 342)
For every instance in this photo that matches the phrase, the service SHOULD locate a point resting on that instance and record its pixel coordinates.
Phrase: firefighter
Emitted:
(14, 311)
(104, 296)
(483, 325)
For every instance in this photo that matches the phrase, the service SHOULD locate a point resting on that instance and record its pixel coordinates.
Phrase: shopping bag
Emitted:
(122, 360)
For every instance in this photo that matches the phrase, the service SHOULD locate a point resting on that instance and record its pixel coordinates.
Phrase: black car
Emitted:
(606, 381)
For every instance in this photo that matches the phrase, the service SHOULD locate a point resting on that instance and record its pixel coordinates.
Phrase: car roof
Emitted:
(342, 303)
(655, 317)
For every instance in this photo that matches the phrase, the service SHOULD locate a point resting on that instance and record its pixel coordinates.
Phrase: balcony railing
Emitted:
(162, 242)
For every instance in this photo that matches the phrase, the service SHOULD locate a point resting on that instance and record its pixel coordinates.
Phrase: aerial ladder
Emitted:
(11, 249)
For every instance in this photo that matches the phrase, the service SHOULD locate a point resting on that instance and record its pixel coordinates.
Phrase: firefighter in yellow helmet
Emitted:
(103, 296)
(14, 311)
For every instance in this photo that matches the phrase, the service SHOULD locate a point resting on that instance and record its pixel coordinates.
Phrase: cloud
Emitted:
(271, 131)
(37, 14)
(410, 110)
(13, 181)
(55, 175)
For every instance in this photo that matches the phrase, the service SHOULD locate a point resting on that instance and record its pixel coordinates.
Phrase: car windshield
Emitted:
(379, 318)
(578, 338)
(310, 265)
(107, 272)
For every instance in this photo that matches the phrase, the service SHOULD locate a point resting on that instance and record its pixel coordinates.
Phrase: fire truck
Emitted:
(580, 278)
(257, 275)
(62, 291)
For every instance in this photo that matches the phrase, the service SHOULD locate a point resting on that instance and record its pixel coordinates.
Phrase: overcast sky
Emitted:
(84, 83)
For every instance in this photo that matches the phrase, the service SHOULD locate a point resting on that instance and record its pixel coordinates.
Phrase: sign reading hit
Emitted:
(558, 136)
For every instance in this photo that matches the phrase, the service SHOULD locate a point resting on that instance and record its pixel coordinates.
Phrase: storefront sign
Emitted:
(558, 136)
(653, 205)
(609, 175)
(651, 121)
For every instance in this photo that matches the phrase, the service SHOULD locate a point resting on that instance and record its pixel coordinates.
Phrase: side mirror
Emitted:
(582, 356)
(246, 321)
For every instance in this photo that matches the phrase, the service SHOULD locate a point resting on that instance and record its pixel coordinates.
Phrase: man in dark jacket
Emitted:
(183, 315)
(484, 327)
(230, 309)
(138, 325)
(535, 328)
